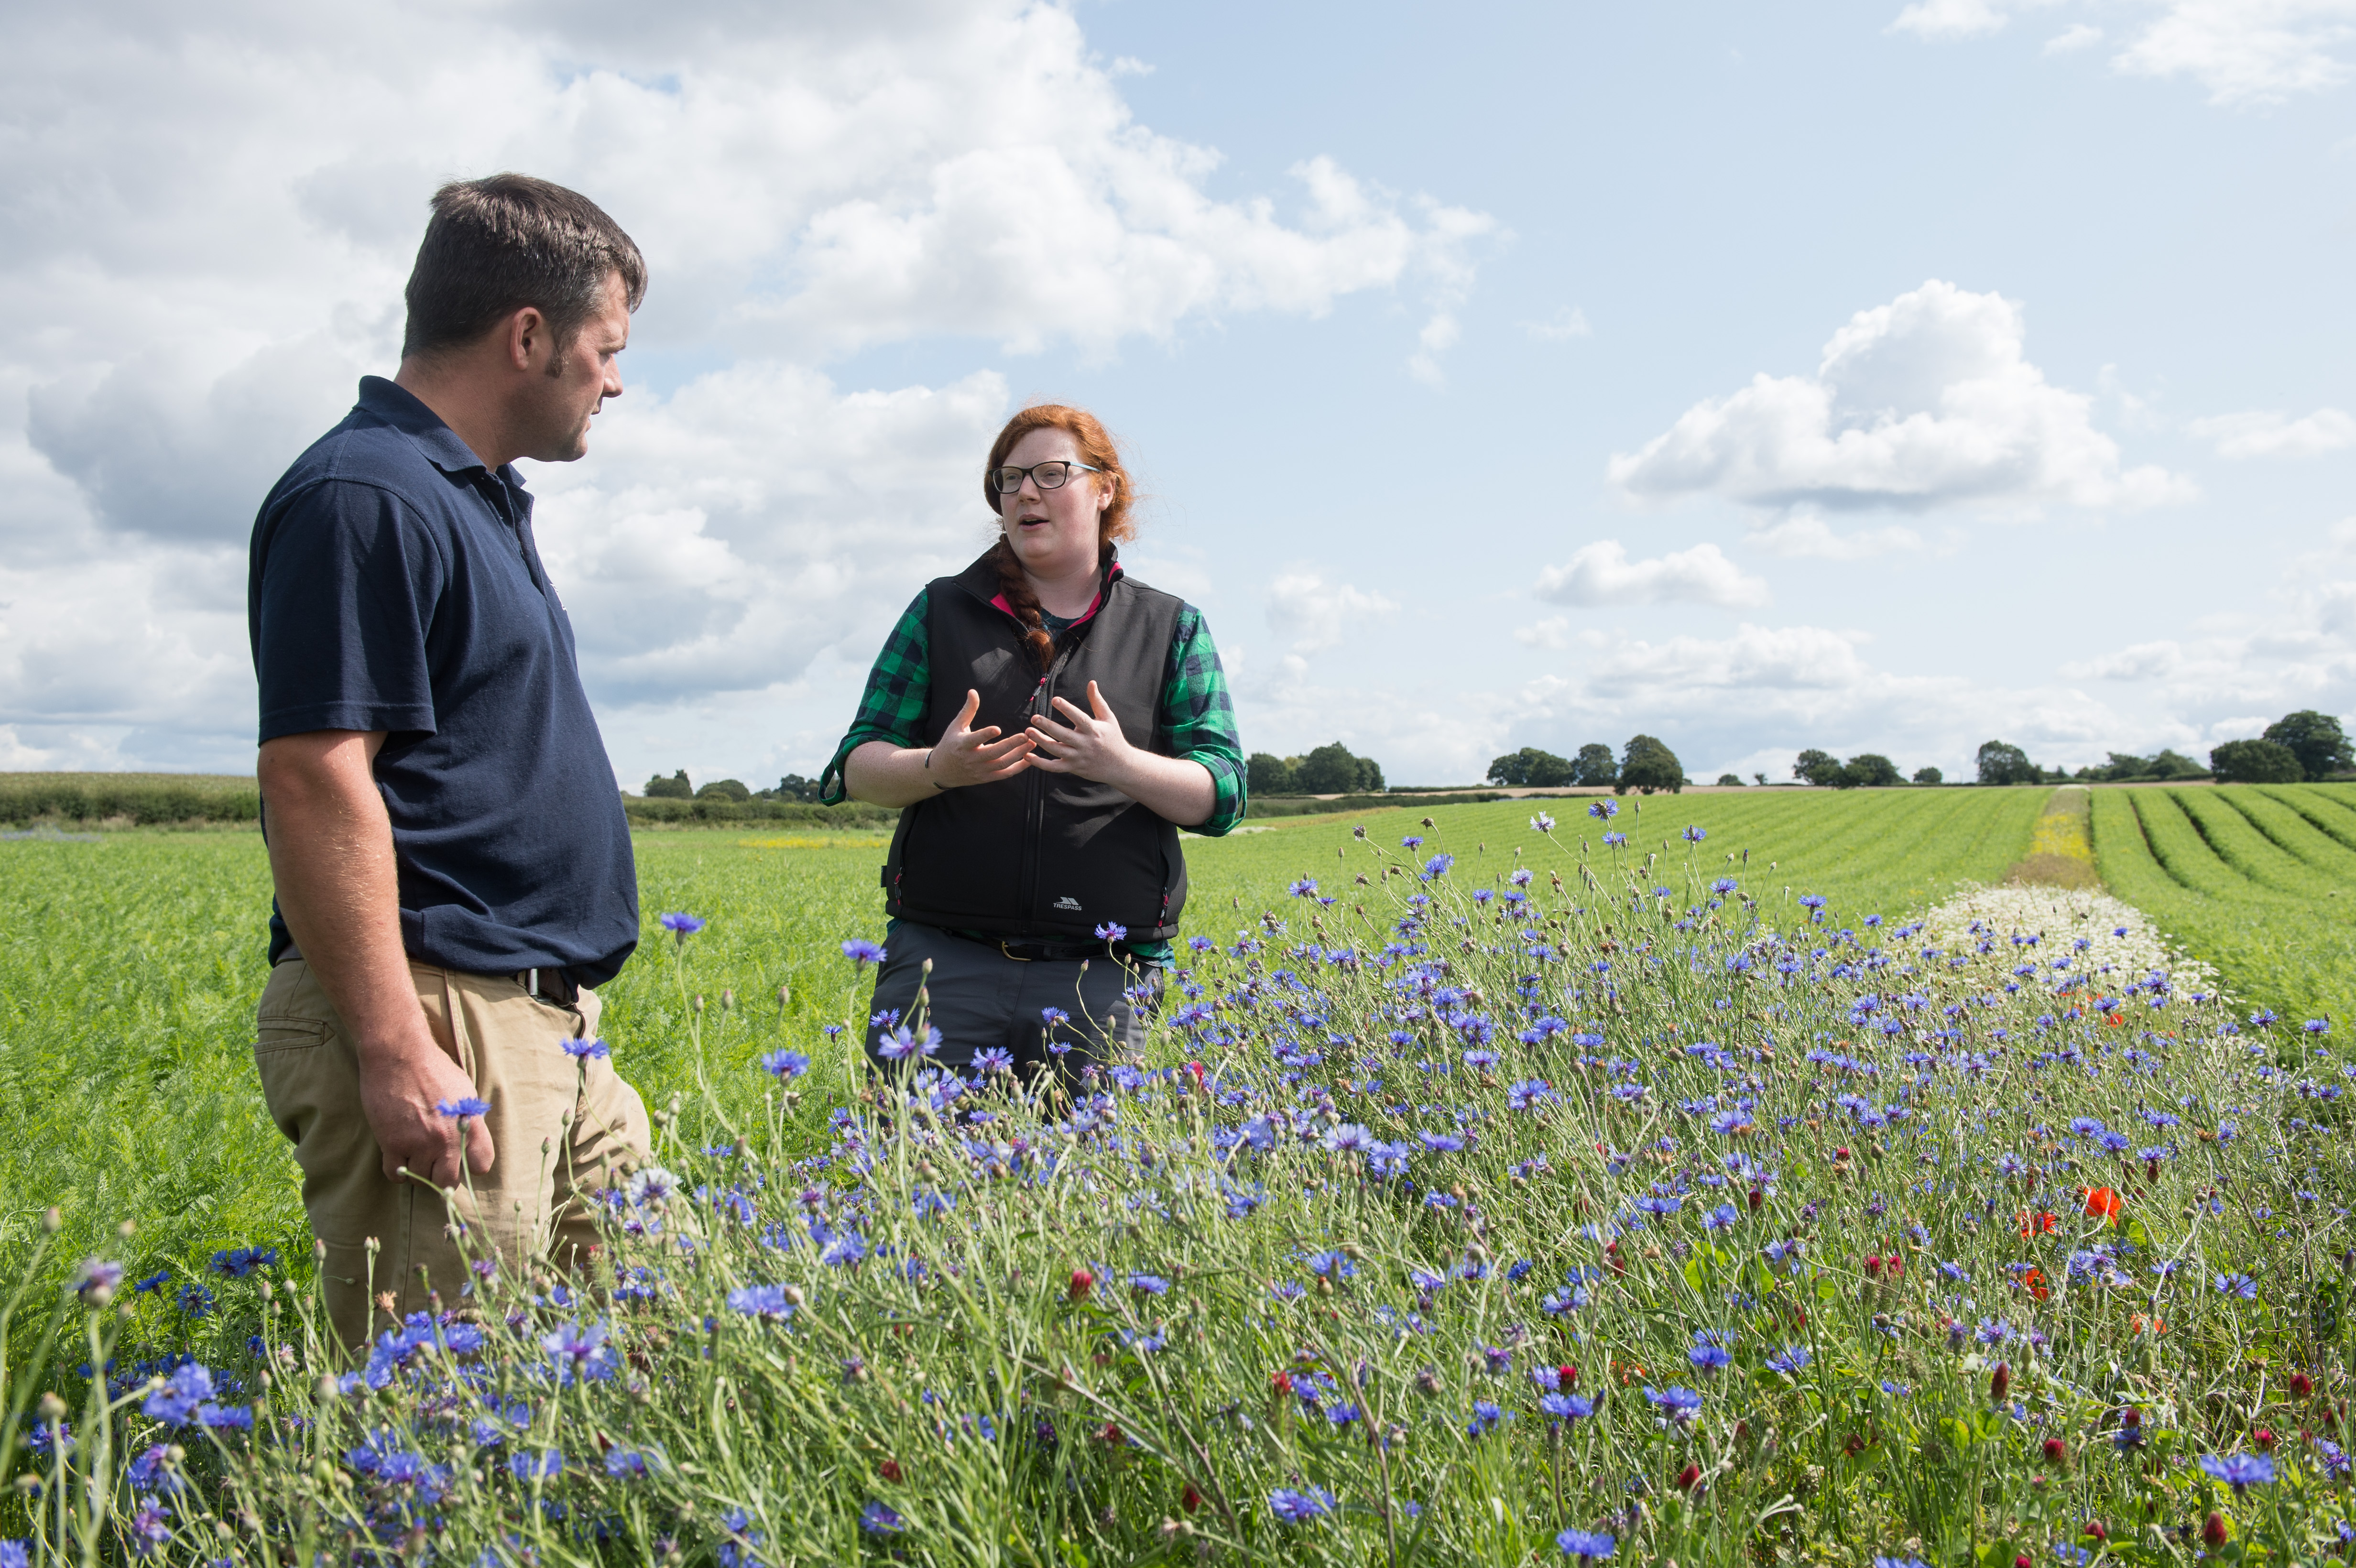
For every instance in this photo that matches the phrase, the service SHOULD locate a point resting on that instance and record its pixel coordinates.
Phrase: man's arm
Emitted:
(331, 857)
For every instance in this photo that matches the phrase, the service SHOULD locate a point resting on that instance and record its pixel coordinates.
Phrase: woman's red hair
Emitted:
(1114, 525)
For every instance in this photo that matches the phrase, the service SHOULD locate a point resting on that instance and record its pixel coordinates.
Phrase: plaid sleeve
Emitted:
(898, 688)
(1200, 719)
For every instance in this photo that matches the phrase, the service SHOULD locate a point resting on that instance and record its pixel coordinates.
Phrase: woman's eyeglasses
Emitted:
(1047, 475)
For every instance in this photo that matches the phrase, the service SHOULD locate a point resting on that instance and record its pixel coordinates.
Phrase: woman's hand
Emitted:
(969, 756)
(1089, 744)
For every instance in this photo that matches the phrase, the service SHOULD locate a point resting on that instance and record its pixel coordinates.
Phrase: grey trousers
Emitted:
(980, 999)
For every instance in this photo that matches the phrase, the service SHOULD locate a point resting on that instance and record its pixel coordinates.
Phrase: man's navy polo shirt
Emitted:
(395, 586)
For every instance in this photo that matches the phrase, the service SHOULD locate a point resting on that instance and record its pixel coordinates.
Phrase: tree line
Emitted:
(1645, 764)
(793, 787)
(2300, 747)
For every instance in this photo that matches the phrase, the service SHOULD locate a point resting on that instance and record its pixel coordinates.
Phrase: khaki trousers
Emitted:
(560, 1135)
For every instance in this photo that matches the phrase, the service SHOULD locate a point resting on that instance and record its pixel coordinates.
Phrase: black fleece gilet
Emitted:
(1042, 854)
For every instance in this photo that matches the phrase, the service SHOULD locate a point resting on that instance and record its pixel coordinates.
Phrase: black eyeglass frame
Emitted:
(996, 479)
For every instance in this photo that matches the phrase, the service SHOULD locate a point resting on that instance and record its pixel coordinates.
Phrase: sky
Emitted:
(1853, 376)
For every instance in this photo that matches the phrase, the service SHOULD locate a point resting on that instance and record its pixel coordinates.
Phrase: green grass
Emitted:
(2259, 880)
(141, 799)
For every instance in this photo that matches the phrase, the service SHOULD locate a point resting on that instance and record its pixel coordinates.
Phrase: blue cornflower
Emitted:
(1604, 810)
(236, 1263)
(547, 1463)
(1682, 1403)
(633, 1464)
(195, 1301)
(881, 1519)
(2239, 1471)
(189, 1385)
(1789, 1360)
(1587, 1545)
(1707, 1358)
(463, 1108)
(681, 927)
(1306, 888)
(1694, 834)
(1721, 1217)
(1567, 1406)
(860, 950)
(587, 1048)
(994, 1059)
(2316, 1026)
(763, 1301)
(784, 1064)
(1149, 1284)
(903, 1043)
(2239, 1284)
(581, 1353)
(1438, 866)
(1412, 841)
(1303, 1506)
(1485, 1417)
(1111, 932)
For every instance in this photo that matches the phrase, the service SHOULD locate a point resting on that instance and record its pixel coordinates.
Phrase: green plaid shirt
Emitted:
(1195, 710)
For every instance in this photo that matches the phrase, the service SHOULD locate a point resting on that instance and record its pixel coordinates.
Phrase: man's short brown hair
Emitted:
(495, 245)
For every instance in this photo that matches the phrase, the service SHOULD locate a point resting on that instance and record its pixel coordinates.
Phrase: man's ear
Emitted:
(529, 335)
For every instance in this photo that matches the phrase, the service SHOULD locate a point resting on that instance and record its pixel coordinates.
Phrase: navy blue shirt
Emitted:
(395, 586)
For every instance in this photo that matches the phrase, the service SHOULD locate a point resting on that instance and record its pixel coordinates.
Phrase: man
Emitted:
(452, 864)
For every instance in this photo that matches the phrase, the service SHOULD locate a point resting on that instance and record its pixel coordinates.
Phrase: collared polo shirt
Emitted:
(395, 585)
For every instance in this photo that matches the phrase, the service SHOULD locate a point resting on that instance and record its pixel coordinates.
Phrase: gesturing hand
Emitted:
(1089, 744)
(965, 755)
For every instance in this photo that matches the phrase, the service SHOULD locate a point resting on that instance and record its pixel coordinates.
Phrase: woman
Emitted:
(1049, 723)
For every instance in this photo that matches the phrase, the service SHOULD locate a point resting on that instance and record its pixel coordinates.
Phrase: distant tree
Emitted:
(793, 787)
(2002, 763)
(1331, 770)
(2172, 764)
(1929, 776)
(1647, 765)
(675, 787)
(1530, 768)
(1819, 768)
(1761, 778)
(1872, 770)
(724, 789)
(1594, 765)
(2316, 740)
(2255, 762)
(1729, 780)
(1266, 774)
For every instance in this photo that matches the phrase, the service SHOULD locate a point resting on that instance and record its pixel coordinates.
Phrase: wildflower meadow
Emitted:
(1723, 1180)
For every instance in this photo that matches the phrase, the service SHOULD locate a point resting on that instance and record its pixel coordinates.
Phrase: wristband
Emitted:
(928, 768)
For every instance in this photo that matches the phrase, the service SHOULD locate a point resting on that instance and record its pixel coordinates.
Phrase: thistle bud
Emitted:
(2000, 1382)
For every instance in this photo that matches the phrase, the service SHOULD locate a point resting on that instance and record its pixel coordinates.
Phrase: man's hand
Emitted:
(1089, 744)
(399, 1091)
(331, 858)
(970, 756)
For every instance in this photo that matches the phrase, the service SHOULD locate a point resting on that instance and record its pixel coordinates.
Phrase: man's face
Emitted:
(555, 406)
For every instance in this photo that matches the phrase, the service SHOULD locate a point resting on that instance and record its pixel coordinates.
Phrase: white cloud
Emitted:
(1927, 401)
(1554, 633)
(1311, 615)
(1957, 18)
(1564, 325)
(211, 212)
(2245, 52)
(1601, 573)
(2272, 434)
(1806, 536)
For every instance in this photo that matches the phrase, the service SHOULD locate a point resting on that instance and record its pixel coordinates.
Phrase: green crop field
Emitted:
(2258, 879)
(1631, 1207)
(131, 964)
